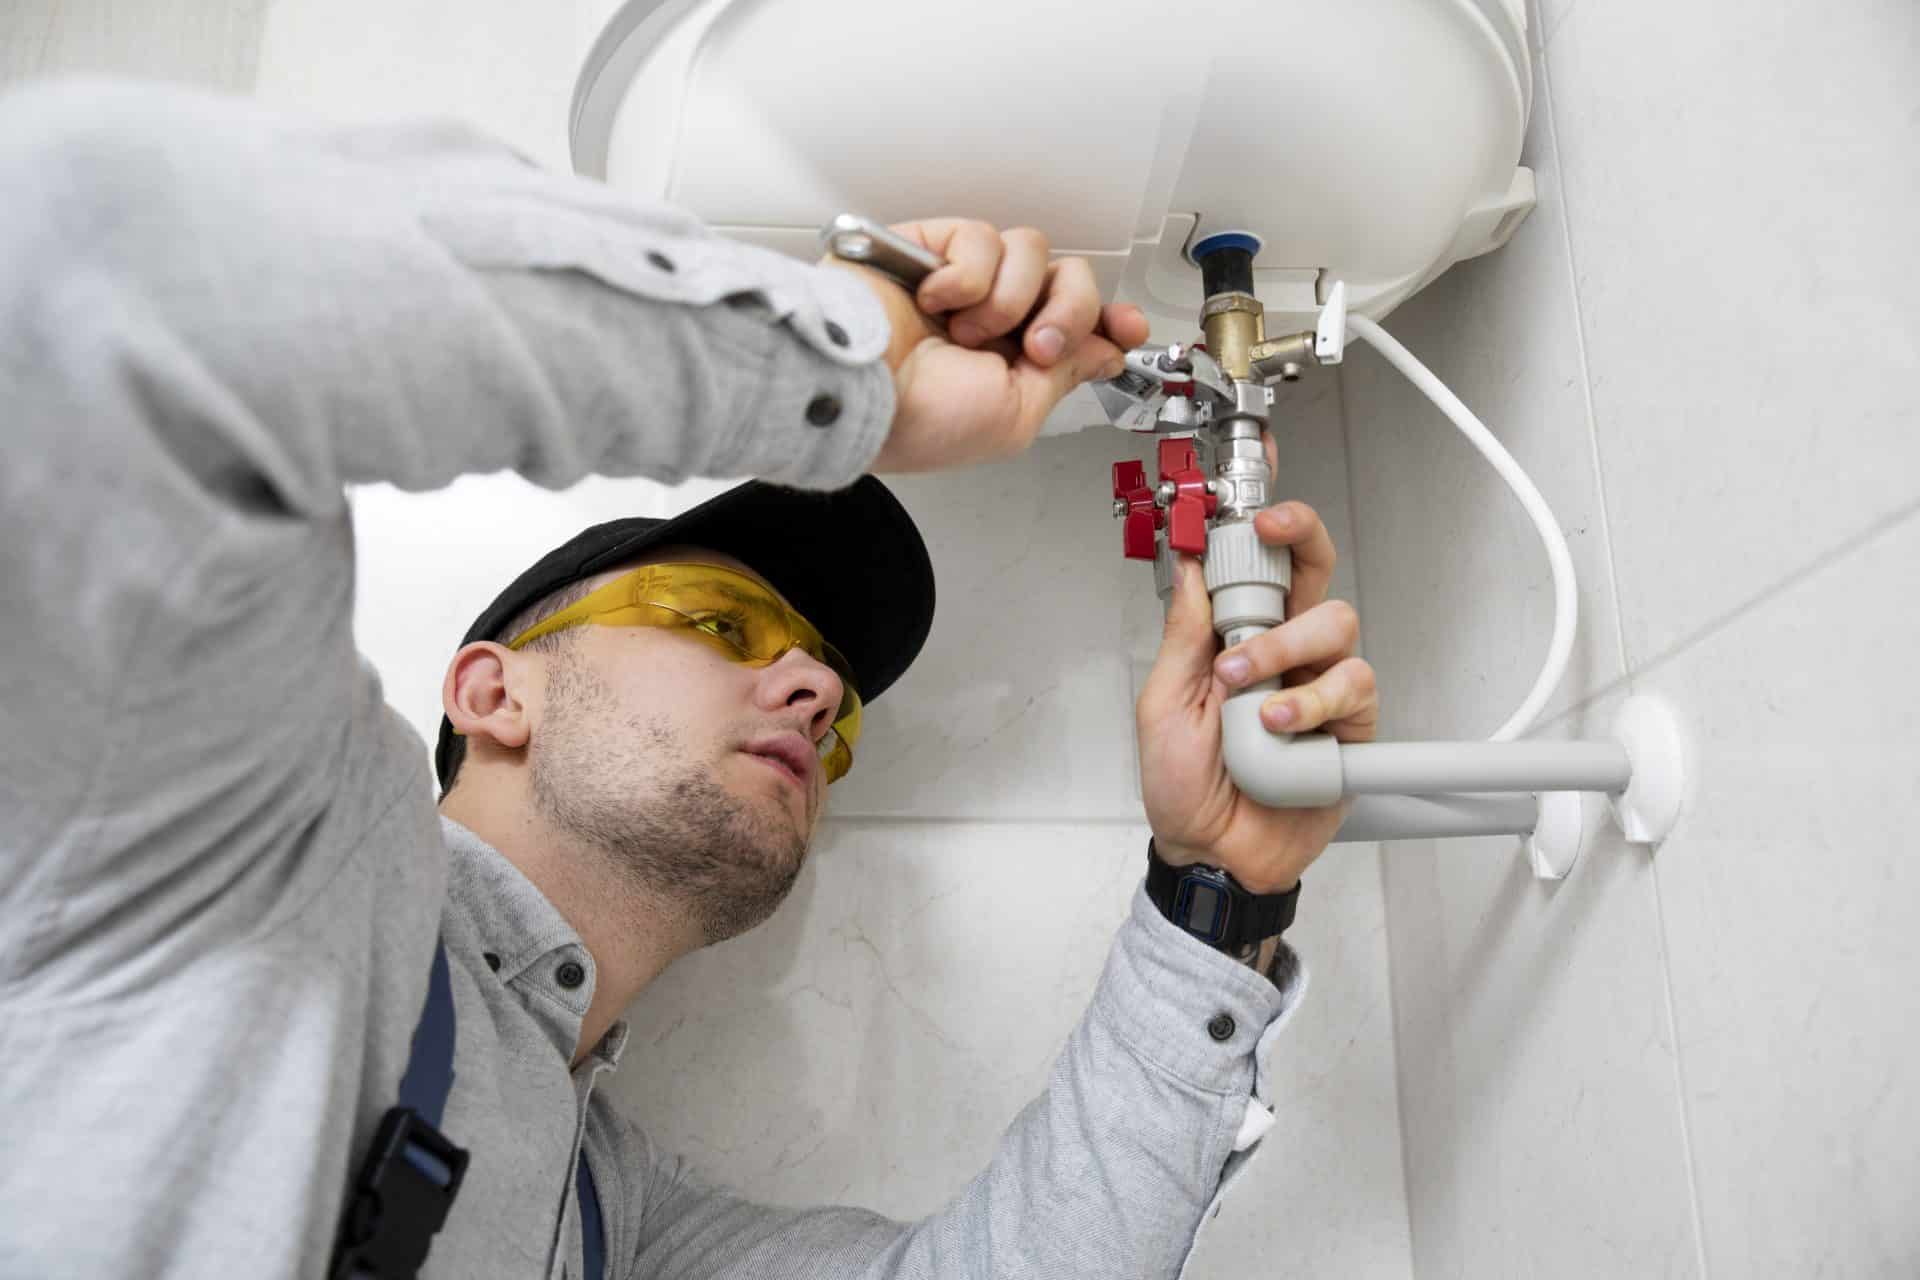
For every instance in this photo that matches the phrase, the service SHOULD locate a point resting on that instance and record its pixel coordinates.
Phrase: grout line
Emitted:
(1683, 1100)
(1803, 573)
(1797, 576)
(1546, 35)
(1583, 703)
(1680, 1074)
(1379, 848)
(1586, 371)
(1393, 1047)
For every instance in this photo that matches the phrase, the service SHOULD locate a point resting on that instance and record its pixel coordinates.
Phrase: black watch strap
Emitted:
(1211, 905)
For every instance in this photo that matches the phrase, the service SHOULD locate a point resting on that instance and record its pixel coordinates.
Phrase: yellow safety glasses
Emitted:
(731, 613)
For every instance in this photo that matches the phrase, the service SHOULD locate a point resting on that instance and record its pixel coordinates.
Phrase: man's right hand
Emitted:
(980, 389)
(1196, 812)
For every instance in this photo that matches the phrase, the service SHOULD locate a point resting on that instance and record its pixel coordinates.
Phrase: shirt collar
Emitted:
(538, 949)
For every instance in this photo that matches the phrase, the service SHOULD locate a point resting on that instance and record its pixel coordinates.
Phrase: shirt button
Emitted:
(824, 411)
(493, 960)
(836, 335)
(572, 974)
(1221, 1027)
(660, 262)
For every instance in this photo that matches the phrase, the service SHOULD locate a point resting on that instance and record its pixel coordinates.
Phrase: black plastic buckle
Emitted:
(400, 1199)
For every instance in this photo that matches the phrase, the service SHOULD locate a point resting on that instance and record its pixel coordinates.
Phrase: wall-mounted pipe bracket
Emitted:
(1570, 822)
(1650, 806)
(1568, 826)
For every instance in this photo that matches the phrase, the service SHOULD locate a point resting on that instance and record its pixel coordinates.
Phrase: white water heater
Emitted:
(1370, 141)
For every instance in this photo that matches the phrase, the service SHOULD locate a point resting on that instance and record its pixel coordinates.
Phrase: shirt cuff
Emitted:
(808, 399)
(1196, 1012)
(811, 420)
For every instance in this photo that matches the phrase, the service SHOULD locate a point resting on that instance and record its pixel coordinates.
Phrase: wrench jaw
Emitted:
(1164, 390)
(1131, 402)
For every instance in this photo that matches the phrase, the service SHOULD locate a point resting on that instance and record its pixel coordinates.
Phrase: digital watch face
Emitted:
(1201, 908)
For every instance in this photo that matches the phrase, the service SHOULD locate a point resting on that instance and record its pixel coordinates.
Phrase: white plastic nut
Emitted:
(1568, 826)
(1650, 806)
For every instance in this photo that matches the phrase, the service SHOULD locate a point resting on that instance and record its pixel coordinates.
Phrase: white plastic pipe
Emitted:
(1566, 602)
(1282, 772)
(1372, 818)
(1276, 769)
(1436, 768)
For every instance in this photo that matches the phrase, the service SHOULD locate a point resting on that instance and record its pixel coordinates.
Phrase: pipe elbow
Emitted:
(1274, 769)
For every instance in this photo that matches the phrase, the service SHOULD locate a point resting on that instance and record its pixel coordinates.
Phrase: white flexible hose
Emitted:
(1566, 606)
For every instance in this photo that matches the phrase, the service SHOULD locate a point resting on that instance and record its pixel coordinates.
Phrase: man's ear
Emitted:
(485, 694)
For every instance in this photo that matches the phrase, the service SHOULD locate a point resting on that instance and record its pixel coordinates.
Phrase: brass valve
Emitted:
(1234, 323)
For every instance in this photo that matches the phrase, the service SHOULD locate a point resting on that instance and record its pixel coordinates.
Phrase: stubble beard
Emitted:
(637, 789)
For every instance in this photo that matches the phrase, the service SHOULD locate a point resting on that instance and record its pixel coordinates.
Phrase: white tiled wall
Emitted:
(1704, 347)
(871, 1043)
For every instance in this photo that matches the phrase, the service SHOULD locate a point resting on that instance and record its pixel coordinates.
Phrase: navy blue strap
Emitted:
(593, 1237)
(412, 1172)
(429, 1077)
(425, 1087)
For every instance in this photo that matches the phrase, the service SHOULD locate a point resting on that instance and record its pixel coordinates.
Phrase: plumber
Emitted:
(268, 1010)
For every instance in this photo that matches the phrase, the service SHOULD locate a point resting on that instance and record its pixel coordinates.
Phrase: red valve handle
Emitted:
(1187, 526)
(1142, 516)
(1191, 506)
(1136, 535)
(1177, 456)
(1184, 518)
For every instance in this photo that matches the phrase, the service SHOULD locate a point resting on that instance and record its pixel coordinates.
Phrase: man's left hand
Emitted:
(1196, 812)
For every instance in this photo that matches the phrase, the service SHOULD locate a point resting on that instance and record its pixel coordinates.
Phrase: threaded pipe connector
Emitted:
(1237, 557)
(1247, 579)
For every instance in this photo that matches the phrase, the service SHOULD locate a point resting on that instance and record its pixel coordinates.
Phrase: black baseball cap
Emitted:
(851, 562)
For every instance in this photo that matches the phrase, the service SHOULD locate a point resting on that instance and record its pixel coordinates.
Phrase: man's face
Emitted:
(698, 774)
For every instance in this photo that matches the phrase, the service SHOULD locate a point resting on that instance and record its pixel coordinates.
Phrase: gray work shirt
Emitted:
(221, 868)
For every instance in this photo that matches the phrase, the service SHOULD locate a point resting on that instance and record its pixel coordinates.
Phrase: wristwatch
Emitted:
(1211, 905)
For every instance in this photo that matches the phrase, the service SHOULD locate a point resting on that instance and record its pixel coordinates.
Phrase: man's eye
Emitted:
(725, 626)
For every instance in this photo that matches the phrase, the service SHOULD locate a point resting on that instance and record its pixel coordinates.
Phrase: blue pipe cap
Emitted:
(1225, 240)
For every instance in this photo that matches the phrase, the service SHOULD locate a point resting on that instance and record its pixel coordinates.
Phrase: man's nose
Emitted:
(800, 680)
